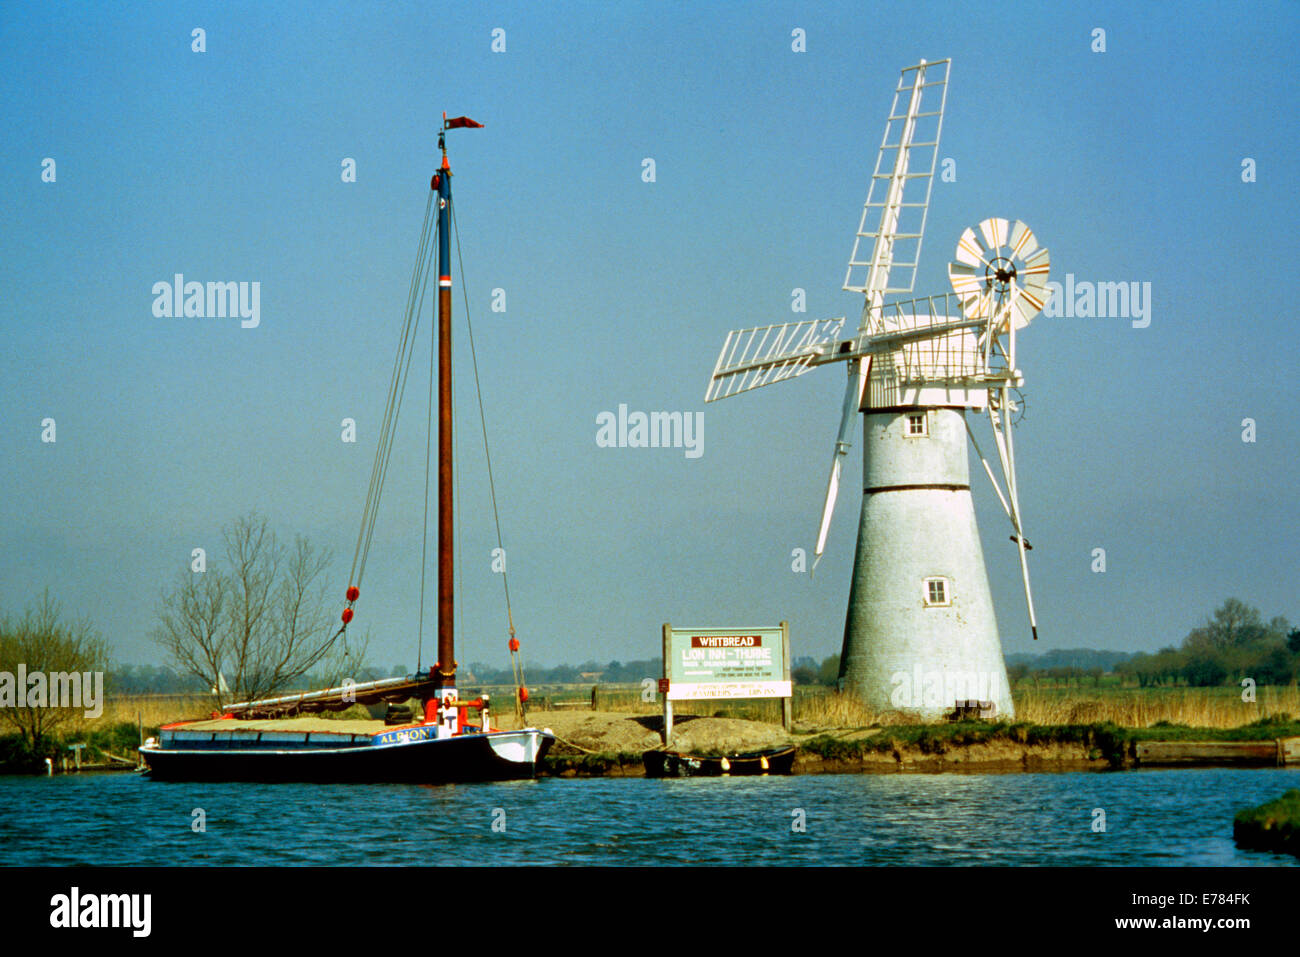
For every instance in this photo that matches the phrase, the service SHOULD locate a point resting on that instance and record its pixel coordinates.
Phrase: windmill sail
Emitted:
(848, 416)
(887, 247)
(751, 358)
(893, 221)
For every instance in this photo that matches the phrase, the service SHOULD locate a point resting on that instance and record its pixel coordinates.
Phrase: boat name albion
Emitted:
(407, 735)
(214, 300)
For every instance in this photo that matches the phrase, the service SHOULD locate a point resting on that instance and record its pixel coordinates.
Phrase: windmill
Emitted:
(920, 632)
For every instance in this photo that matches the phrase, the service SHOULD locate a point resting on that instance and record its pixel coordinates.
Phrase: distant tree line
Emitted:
(151, 679)
(1075, 661)
(805, 670)
(1233, 643)
(593, 672)
(1063, 674)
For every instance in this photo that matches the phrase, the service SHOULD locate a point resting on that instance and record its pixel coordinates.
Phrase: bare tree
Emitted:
(43, 645)
(253, 625)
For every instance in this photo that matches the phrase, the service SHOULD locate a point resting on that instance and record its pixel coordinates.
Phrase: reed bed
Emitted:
(152, 710)
(816, 706)
(1144, 707)
(825, 708)
(1035, 704)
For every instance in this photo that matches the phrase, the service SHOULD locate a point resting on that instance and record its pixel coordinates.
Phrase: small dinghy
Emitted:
(674, 764)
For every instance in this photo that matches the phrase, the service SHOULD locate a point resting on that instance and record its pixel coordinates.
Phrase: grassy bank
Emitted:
(1274, 826)
(120, 739)
(1093, 726)
(1038, 703)
(604, 748)
(1098, 742)
(1104, 741)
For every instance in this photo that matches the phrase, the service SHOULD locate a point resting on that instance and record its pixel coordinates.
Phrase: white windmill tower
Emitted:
(920, 632)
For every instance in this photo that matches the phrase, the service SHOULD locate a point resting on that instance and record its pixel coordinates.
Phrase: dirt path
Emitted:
(613, 732)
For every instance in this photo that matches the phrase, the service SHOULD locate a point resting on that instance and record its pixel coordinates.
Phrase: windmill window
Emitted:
(936, 591)
(916, 425)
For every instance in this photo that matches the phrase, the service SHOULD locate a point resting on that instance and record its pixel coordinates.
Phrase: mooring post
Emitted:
(787, 704)
(668, 705)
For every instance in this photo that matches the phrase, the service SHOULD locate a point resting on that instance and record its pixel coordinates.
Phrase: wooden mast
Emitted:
(446, 666)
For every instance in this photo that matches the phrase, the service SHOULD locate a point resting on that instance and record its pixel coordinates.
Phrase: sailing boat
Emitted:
(268, 740)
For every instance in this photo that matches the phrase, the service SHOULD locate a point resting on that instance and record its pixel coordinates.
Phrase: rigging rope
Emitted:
(392, 409)
(428, 455)
(388, 428)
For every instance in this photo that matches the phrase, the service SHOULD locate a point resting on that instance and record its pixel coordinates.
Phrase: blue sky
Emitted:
(225, 165)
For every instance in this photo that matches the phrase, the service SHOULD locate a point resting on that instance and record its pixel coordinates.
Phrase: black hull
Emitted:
(465, 758)
(673, 764)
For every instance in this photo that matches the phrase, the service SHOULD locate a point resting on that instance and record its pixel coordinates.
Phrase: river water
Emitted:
(1151, 818)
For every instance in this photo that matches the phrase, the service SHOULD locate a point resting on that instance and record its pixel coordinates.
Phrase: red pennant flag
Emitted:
(461, 121)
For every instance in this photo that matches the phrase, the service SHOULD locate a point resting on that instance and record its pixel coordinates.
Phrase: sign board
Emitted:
(710, 663)
(725, 663)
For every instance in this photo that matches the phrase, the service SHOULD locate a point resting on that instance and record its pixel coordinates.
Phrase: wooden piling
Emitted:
(1166, 753)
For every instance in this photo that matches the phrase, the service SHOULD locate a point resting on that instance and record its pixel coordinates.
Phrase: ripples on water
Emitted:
(1155, 818)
